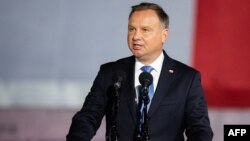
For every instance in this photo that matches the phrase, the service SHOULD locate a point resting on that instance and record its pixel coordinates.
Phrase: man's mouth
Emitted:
(137, 46)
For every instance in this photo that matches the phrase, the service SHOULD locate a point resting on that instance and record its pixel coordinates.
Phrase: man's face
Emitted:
(146, 35)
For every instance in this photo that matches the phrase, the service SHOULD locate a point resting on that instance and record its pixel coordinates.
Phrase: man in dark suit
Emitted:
(178, 104)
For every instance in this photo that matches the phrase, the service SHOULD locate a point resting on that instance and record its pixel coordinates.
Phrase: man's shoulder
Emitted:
(178, 65)
(119, 63)
(184, 68)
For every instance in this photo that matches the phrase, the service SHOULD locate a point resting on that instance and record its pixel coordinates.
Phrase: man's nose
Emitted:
(137, 35)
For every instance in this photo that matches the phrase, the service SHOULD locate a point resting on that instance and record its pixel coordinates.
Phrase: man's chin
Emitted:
(137, 55)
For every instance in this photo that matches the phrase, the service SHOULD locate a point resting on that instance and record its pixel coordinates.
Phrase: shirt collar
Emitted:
(157, 64)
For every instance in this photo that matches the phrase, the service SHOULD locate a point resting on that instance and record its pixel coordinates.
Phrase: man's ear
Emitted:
(165, 33)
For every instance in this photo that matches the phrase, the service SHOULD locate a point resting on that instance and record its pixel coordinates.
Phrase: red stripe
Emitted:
(222, 51)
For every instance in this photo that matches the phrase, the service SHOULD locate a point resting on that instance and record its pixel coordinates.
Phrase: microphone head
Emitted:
(145, 79)
(119, 77)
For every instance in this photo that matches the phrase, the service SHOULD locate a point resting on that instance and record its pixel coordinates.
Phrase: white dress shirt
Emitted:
(157, 65)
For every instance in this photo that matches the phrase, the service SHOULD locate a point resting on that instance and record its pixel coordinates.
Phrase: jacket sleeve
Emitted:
(86, 122)
(197, 120)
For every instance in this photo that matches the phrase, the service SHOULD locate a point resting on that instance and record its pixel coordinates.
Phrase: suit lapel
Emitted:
(165, 79)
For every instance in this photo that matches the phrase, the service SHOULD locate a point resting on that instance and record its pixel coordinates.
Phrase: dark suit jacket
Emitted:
(178, 105)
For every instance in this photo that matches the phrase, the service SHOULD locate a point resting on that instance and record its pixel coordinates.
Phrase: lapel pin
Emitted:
(171, 71)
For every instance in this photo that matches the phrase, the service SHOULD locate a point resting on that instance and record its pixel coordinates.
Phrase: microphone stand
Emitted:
(144, 128)
(138, 135)
(112, 131)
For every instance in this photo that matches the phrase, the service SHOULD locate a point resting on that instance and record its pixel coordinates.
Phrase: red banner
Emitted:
(222, 51)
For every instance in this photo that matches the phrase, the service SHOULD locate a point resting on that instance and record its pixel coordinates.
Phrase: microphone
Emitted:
(118, 77)
(146, 80)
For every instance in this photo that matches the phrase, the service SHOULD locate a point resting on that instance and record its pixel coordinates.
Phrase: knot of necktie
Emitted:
(147, 68)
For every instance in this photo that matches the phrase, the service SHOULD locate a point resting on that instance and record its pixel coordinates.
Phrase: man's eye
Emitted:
(145, 30)
(130, 29)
